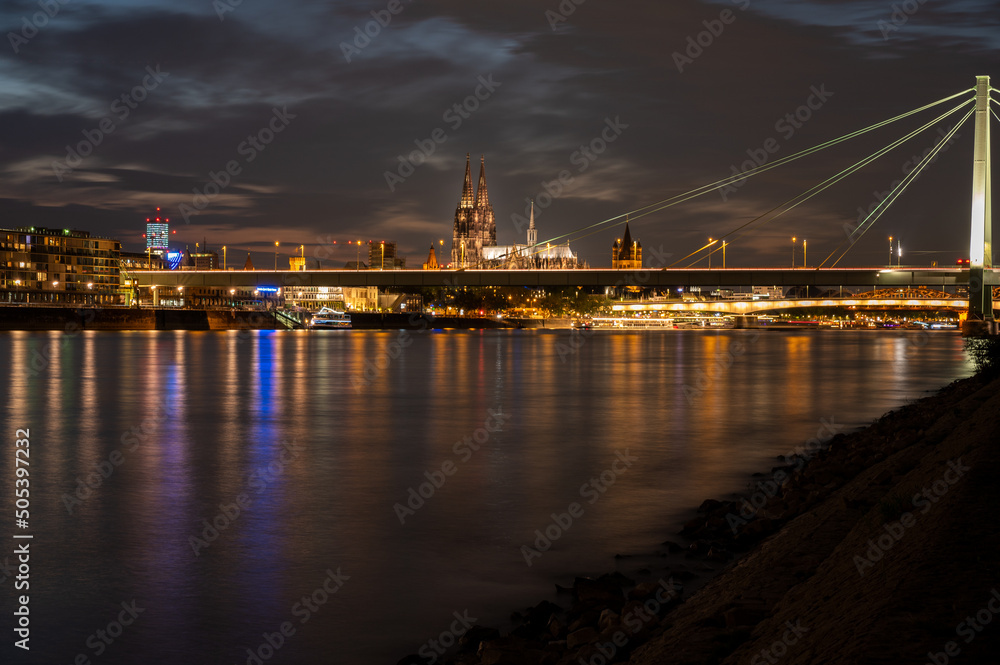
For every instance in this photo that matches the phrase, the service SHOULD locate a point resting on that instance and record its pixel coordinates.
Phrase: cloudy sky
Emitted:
(594, 108)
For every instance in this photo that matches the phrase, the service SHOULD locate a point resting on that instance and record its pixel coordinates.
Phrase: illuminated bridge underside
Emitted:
(761, 306)
(869, 279)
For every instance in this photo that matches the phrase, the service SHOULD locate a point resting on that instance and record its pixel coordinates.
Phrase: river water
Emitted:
(261, 479)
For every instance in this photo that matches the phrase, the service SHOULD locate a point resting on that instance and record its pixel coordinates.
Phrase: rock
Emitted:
(717, 553)
(579, 638)
(557, 627)
(643, 591)
(608, 620)
(473, 637)
(691, 526)
(709, 505)
(671, 546)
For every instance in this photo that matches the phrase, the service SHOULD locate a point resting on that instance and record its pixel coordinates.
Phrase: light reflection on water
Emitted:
(201, 418)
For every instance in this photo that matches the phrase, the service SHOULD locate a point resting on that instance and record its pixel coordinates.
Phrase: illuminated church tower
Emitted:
(475, 223)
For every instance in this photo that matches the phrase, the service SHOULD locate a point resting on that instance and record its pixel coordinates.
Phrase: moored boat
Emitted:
(330, 319)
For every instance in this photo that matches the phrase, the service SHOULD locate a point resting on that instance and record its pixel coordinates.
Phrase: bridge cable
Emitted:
(704, 189)
(829, 182)
(897, 191)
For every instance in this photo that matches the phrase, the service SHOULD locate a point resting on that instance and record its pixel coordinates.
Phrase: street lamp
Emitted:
(223, 257)
(724, 254)
(794, 240)
(890, 251)
(276, 255)
(710, 243)
(805, 259)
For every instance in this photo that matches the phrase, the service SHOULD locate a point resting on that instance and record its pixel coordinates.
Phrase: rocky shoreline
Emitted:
(827, 558)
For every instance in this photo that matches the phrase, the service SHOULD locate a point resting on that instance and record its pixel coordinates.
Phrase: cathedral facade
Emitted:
(475, 223)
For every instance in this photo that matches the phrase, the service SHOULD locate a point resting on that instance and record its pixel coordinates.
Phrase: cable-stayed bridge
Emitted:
(980, 277)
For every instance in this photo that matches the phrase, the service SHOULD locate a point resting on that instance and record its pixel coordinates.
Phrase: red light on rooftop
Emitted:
(157, 208)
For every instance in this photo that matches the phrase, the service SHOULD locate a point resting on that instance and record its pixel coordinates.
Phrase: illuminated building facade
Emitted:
(530, 256)
(475, 223)
(157, 234)
(39, 265)
(626, 254)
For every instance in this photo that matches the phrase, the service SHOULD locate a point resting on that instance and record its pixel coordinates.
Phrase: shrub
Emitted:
(985, 354)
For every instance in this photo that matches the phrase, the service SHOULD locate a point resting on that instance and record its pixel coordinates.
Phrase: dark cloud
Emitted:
(324, 175)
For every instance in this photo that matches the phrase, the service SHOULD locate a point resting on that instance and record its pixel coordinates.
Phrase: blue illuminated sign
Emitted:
(267, 289)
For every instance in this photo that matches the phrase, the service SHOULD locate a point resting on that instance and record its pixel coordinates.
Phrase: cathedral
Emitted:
(531, 255)
(475, 224)
(474, 242)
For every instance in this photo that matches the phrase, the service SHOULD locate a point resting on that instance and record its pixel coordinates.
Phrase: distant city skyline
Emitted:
(304, 124)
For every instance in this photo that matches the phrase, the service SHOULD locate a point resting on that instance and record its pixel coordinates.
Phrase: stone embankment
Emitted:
(883, 547)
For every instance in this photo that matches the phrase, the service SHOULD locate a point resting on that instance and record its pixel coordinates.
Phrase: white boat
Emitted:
(330, 319)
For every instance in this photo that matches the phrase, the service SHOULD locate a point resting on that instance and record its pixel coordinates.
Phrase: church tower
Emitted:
(475, 223)
(461, 250)
(532, 231)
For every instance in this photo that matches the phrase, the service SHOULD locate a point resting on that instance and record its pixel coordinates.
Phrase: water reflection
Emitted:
(201, 418)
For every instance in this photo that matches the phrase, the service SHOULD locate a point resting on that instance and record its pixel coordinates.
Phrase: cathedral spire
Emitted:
(468, 198)
(482, 196)
(532, 232)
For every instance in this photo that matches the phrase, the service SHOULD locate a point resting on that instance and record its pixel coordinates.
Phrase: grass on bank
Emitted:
(985, 354)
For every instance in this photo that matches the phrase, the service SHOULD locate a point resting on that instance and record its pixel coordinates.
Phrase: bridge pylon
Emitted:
(981, 242)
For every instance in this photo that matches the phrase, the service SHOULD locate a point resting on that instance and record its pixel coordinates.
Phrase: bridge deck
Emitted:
(872, 278)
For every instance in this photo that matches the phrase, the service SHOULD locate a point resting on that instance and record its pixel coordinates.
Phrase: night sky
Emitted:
(161, 94)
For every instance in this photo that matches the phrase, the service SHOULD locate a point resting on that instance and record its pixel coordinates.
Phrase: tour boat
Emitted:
(330, 319)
